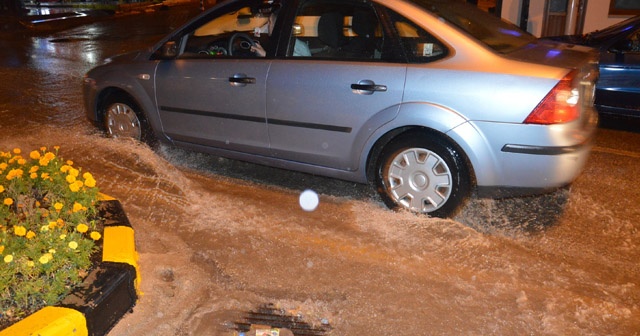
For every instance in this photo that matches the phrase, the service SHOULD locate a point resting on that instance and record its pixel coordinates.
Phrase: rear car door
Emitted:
(337, 82)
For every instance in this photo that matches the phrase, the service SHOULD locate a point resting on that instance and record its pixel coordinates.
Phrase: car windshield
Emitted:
(499, 35)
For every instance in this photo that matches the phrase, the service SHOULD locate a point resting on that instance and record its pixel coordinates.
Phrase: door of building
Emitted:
(563, 17)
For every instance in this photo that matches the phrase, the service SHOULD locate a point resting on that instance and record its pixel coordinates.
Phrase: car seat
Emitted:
(331, 33)
(363, 24)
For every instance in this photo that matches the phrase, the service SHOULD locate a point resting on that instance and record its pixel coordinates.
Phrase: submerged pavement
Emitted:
(48, 17)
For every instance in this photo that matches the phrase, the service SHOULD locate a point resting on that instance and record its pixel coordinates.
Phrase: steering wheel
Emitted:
(246, 44)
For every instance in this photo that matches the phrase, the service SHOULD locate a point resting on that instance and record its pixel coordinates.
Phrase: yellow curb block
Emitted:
(118, 246)
(50, 321)
(105, 197)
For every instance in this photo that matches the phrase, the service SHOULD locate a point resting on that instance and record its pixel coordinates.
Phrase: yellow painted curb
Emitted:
(119, 246)
(50, 321)
(105, 197)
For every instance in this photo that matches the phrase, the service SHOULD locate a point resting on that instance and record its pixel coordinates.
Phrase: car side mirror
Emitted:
(169, 49)
(297, 29)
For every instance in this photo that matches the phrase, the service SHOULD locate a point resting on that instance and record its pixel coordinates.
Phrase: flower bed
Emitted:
(50, 223)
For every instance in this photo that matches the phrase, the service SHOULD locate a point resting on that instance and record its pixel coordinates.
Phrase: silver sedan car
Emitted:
(427, 100)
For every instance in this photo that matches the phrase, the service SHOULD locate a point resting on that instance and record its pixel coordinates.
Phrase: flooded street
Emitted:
(219, 238)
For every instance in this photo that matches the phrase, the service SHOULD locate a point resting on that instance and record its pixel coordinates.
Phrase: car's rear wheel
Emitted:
(423, 174)
(123, 119)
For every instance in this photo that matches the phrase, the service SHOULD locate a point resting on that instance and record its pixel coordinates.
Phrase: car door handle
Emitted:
(368, 87)
(241, 80)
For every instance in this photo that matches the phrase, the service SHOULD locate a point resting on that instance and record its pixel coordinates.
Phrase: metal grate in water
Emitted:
(269, 315)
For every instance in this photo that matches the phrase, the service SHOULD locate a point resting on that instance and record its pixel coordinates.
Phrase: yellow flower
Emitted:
(17, 151)
(30, 263)
(82, 228)
(19, 231)
(60, 222)
(33, 176)
(77, 207)
(46, 258)
(45, 228)
(65, 168)
(52, 251)
(34, 155)
(1, 249)
(73, 245)
(3, 166)
(8, 201)
(74, 172)
(69, 162)
(44, 160)
(89, 181)
(75, 186)
(8, 258)
(95, 235)
(14, 173)
(63, 236)
(30, 234)
(1, 188)
(58, 206)
(52, 225)
(44, 176)
(21, 161)
(70, 179)
(34, 169)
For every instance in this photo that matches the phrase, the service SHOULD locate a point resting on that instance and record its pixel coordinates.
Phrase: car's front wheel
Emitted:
(122, 119)
(423, 174)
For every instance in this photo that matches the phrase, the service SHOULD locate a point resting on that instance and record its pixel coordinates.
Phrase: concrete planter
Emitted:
(108, 292)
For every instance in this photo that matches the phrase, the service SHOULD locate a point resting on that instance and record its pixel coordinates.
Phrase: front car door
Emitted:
(212, 92)
(337, 80)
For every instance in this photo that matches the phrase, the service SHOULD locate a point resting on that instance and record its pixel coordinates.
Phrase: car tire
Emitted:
(123, 119)
(422, 173)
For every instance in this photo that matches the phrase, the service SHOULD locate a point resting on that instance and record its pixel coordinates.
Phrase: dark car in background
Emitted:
(618, 88)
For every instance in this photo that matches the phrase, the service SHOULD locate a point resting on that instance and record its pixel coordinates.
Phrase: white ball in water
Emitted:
(309, 200)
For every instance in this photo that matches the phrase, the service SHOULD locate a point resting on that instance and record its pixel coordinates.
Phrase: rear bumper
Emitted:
(545, 169)
(530, 159)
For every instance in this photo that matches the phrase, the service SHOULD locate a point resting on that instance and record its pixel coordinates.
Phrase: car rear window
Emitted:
(499, 35)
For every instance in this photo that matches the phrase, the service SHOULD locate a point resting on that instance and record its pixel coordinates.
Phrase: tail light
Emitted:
(561, 105)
